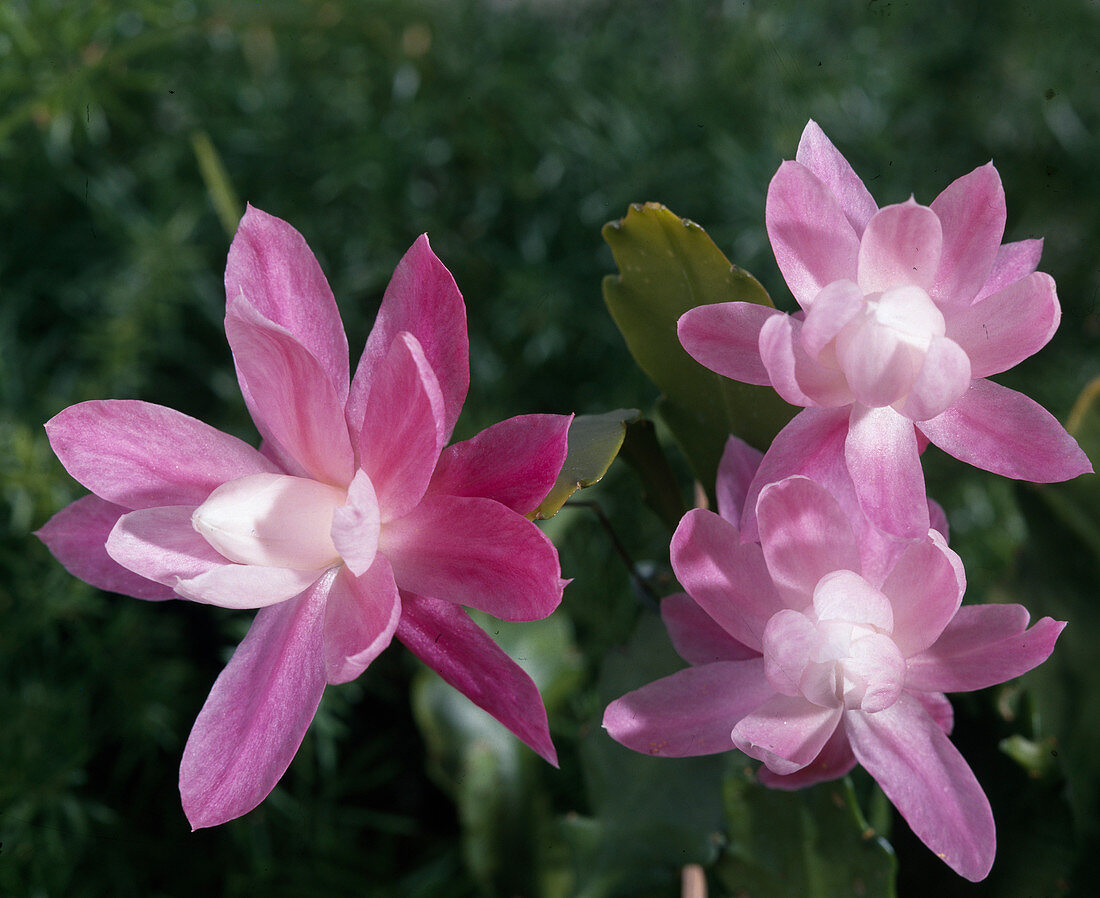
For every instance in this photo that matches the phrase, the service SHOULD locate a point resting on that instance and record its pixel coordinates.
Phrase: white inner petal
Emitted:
(272, 519)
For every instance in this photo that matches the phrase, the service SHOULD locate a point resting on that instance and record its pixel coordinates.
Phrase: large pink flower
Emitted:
(906, 310)
(350, 525)
(807, 660)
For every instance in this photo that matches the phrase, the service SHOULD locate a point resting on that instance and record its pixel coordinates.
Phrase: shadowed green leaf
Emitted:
(668, 265)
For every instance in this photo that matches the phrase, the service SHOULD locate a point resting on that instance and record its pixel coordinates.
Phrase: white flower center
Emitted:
(272, 519)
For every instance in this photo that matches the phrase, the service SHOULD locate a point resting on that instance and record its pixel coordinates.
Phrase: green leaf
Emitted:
(814, 843)
(668, 265)
(594, 441)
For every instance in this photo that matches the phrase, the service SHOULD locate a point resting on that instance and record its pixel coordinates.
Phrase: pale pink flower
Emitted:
(810, 662)
(906, 310)
(350, 525)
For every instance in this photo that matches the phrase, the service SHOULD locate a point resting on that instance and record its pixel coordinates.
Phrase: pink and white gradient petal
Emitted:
(475, 552)
(361, 615)
(736, 469)
(77, 537)
(833, 761)
(817, 153)
(697, 637)
(139, 455)
(514, 462)
(795, 375)
(691, 712)
(944, 376)
(423, 299)
(246, 585)
(786, 732)
(925, 589)
(999, 430)
(1013, 262)
(725, 338)
(442, 635)
(162, 545)
(929, 782)
(901, 247)
(253, 721)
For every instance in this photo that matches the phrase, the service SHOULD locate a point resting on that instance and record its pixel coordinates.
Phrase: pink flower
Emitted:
(906, 311)
(350, 525)
(808, 661)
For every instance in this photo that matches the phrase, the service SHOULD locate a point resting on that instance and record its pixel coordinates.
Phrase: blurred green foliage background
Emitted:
(510, 131)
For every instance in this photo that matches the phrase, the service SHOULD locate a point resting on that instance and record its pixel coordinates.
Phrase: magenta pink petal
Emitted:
(735, 472)
(805, 535)
(475, 552)
(162, 545)
(943, 378)
(929, 783)
(77, 537)
(983, 645)
(726, 577)
(696, 636)
(257, 713)
(833, 761)
(786, 732)
(423, 299)
(796, 377)
(901, 246)
(925, 589)
(246, 585)
(972, 213)
(881, 451)
(938, 708)
(271, 265)
(692, 712)
(1002, 330)
(1000, 430)
(140, 455)
(725, 338)
(403, 428)
(811, 444)
(515, 462)
(1013, 262)
(442, 636)
(290, 397)
(810, 235)
(361, 615)
(817, 153)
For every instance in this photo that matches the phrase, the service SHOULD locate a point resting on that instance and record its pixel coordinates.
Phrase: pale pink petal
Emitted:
(881, 451)
(735, 472)
(403, 428)
(835, 306)
(810, 235)
(77, 537)
(817, 153)
(929, 783)
(246, 585)
(790, 640)
(515, 462)
(877, 667)
(162, 545)
(140, 455)
(1002, 330)
(257, 713)
(357, 525)
(423, 299)
(805, 535)
(971, 211)
(1000, 430)
(273, 267)
(1013, 262)
(442, 635)
(786, 732)
(696, 636)
(983, 645)
(833, 761)
(290, 397)
(925, 589)
(943, 378)
(812, 444)
(796, 377)
(361, 615)
(938, 708)
(691, 712)
(725, 338)
(726, 577)
(475, 552)
(901, 246)
(937, 517)
(846, 596)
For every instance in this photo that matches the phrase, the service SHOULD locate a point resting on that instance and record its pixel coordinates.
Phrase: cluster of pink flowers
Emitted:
(823, 617)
